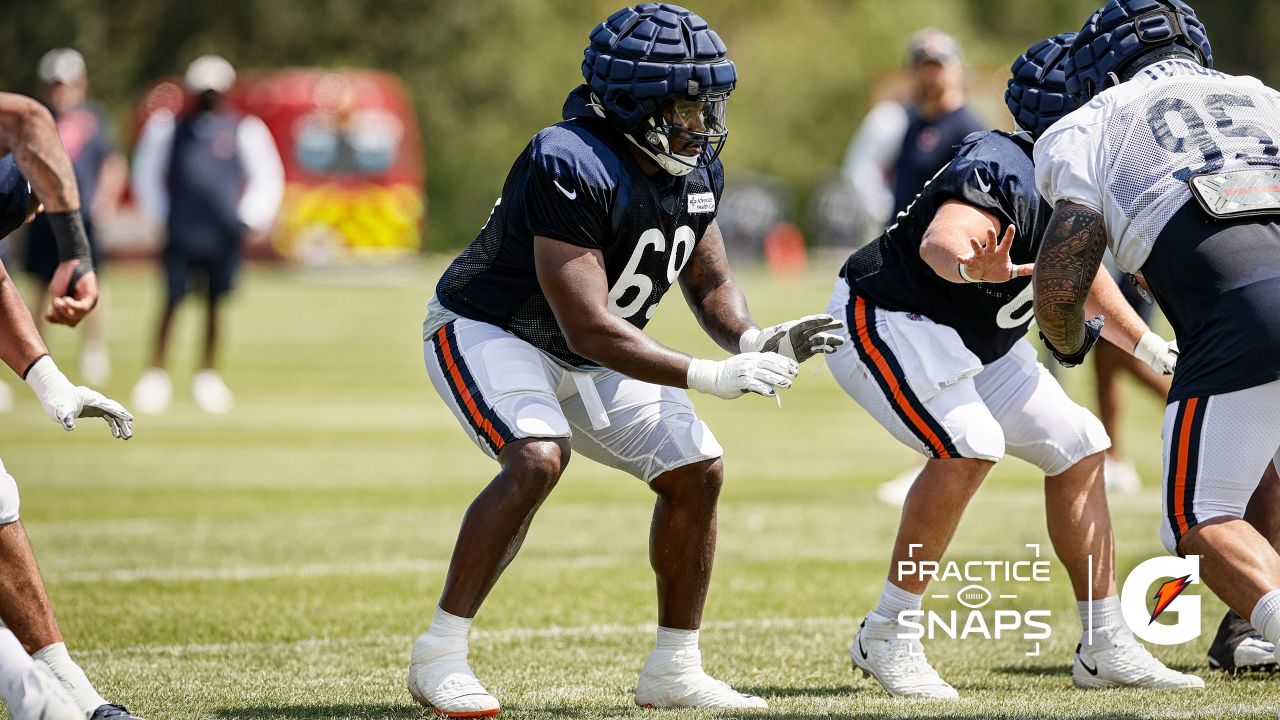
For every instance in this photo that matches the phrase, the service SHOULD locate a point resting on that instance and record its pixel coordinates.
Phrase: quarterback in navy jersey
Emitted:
(534, 339)
(937, 309)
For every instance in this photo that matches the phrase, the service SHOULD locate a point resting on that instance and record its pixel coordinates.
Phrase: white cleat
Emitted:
(152, 393)
(675, 679)
(441, 681)
(1121, 476)
(39, 696)
(898, 664)
(211, 394)
(1117, 659)
(894, 492)
(1252, 653)
(95, 363)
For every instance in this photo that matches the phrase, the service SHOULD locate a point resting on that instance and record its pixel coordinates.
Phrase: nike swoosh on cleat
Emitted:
(571, 195)
(1091, 670)
(860, 648)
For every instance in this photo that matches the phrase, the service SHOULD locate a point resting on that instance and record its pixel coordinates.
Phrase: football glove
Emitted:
(1159, 354)
(64, 402)
(1092, 331)
(798, 340)
(760, 373)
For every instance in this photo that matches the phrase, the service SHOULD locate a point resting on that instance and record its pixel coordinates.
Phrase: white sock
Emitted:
(894, 600)
(55, 657)
(445, 625)
(673, 639)
(14, 664)
(1106, 614)
(1266, 617)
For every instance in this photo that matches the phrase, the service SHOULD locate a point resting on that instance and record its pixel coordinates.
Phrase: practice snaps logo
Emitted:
(1174, 617)
(980, 616)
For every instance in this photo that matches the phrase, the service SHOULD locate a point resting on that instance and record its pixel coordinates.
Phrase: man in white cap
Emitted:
(102, 174)
(212, 176)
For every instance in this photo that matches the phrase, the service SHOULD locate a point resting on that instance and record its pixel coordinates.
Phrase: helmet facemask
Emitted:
(685, 133)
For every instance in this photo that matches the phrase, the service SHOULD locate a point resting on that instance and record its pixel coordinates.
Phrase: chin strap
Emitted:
(665, 161)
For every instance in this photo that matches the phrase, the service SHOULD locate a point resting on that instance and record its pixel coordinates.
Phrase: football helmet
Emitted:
(662, 77)
(1037, 92)
(1124, 34)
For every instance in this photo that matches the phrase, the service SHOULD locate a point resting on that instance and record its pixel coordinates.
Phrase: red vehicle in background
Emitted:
(352, 158)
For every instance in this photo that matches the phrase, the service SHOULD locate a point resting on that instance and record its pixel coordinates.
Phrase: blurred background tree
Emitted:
(487, 74)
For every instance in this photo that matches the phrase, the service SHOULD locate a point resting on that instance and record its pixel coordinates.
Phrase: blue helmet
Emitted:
(659, 73)
(1037, 93)
(1123, 32)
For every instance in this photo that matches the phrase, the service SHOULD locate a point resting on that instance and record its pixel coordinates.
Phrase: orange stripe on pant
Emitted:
(864, 339)
(464, 392)
(1180, 475)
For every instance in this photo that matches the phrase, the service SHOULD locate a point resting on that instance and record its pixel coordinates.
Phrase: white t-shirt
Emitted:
(1130, 151)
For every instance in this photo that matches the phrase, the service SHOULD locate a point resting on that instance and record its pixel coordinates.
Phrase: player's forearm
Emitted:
(27, 130)
(618, 345)
(1065, 268)
(723, 315)
(1124, 326)
(20, 342)
(939, 249)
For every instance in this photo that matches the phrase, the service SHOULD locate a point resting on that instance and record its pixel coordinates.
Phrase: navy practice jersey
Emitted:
(578, 183)
(15, 196)
(992, 171)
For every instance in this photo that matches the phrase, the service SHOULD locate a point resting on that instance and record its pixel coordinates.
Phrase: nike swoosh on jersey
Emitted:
(571, 195)
(982, 184)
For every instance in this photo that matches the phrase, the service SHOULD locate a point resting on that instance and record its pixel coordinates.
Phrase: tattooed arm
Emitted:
(713, 294)
(27, 131)
(1065, 268)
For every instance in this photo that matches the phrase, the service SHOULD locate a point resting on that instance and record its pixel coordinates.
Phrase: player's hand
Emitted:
(64, 402)
(990, 262)
(798, 340)
(760, 373)
(71, 295)
(1159, 354)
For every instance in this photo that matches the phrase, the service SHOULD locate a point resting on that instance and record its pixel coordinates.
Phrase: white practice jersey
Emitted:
(1130, 152)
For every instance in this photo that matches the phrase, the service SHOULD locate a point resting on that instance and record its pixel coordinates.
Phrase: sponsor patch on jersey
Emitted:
(702, 202)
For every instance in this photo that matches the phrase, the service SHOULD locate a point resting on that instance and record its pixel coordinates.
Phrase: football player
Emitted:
(45, 684)
(937, 308)
(534, 339)
(1175, 167)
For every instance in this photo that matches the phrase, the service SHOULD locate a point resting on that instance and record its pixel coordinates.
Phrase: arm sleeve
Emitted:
(264, 174)
(568, 199)
(872, 152)
(151, 165)
(1066, 167)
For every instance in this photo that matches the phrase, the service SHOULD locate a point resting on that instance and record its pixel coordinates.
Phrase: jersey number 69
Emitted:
(635, 285)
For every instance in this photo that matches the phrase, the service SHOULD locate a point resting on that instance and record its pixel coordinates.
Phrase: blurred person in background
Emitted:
(899, 146)
(101, 173)
(38, 678)
(214, 178)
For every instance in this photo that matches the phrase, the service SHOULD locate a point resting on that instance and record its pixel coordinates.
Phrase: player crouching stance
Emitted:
(1188, 199)
(937, 356)
(46, 684)
(535, 340)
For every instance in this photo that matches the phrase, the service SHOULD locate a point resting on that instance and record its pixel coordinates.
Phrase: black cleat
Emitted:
(112, 711)
(1239, 648)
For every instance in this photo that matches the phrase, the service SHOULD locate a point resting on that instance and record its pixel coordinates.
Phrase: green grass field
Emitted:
(279, 561)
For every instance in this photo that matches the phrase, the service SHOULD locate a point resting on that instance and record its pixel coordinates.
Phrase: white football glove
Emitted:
(1159, 354)
(760, 373)
(64, 402)
(797, 339)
